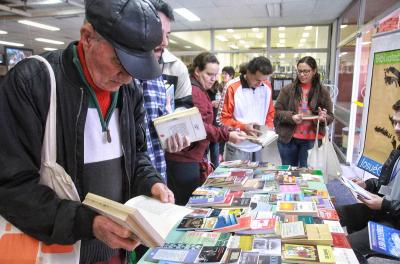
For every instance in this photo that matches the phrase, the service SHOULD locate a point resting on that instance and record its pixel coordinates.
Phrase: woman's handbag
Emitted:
(17, 247)
(324, 157)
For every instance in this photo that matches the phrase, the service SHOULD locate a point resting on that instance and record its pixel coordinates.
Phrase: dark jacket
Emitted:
(374, 184)
(195, 152)
(24, 104)
(286, 106)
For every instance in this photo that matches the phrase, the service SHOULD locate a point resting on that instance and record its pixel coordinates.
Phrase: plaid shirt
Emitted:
(154, 103)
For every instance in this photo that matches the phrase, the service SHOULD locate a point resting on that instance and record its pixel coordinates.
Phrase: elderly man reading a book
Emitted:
(382, 204)
(100, 138)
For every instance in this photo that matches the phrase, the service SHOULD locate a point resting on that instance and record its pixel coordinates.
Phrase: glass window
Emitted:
(389, 23)
(349, 21)
(240, 39)
(374, 8)
(308, 37)
(235, 59)
(190, 41)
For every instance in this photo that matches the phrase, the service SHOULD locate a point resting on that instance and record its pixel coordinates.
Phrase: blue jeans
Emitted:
(295, 153)
(214, 153)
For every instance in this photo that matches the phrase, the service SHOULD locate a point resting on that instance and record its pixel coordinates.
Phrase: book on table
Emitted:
(147, 218)
(186, 122)
(384, 239)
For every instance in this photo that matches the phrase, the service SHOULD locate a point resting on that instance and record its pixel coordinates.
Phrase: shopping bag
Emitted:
(324, 158)
(17, 247)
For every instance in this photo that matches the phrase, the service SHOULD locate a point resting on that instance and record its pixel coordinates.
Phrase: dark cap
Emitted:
(133, 28)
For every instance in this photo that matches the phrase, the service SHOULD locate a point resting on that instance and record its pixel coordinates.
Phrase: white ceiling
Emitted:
(69, 15)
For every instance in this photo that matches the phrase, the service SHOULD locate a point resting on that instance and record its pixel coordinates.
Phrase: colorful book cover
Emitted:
(248, 257)
(205, 238)
(199, 212)
(299, 208)
(240, 202)
(267, 246)
(211, 254)
(344, 255)
(325, 254)
(334, 226)
(328, 214)
(384, 239)
(340, 240)
(175, 255)
(301, 253)
(286, 188)
(225, 220)
(231, 255)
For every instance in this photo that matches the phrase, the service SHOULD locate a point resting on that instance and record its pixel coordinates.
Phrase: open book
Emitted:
(355, 188)
(187, 122)
(149, 219)
(265, 138)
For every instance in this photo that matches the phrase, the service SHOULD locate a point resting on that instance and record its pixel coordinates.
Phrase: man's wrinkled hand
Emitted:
(176, 143)
(113, 234)
(161, 192)
(375, 203)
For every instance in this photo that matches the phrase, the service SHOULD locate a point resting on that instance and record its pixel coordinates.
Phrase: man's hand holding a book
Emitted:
(177, 142)
(374, 202)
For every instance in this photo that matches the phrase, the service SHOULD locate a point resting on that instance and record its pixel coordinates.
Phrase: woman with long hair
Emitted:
(298, 109)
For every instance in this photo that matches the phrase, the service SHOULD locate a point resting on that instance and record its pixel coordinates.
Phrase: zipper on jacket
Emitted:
(76, 124)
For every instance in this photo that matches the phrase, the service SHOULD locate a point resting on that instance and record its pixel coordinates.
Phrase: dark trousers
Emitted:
(214, 153)
(295, 153)
(183, 178)
(355, 218)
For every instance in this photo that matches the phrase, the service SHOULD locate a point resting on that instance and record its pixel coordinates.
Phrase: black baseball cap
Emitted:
(133, 28)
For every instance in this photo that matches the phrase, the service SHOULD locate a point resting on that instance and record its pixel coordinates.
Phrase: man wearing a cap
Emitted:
(100, 129)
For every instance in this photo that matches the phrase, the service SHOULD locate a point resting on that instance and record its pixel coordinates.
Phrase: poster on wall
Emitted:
(384, 91)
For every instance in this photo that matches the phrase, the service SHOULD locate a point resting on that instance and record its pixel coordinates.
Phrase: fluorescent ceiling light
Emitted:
(301, 45)
(47, 2)
(308, 54)
(172, 41)
(282, 55)
(279, 45)
(50, 49)
(56, 42)
(233, 46)
(343, 26)
(2, 32)
(259, 36)
(306, 34)
(185, 13)
(295, 55)
(264, 45)
(366, 43)
(38, 25)
(342, 54)
(302, 40)
(281, 28)
(237, 36)
(188, 47)
(221, 38)
(247, 46)
(282, 40)
(242, 41)
(308, 27)
(281, 35)
(230, 30)
(16, 44)
(255, 29)
(274, 9)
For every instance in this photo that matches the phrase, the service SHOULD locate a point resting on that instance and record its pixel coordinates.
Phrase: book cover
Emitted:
(340, 240)
(267, 246)
(209, 191)
(191, 223)
(186, 122)
(202, 200)
(325, 254)
(318, 234)
(240, 202)
(293, 230)
(289, 188)
(299, 208)
(328, 214)
(211, 254)
(231, 255)
(248, 257)
(344, 255)
(175, 255)
(384, 239)
(225, 221)
(205, 238)
(243, 223)
(294, 253)
(265, 259)
(334, 226)
(199, 212)
(147, 218)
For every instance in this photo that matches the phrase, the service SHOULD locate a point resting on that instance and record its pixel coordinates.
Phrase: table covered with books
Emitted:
(249, 212)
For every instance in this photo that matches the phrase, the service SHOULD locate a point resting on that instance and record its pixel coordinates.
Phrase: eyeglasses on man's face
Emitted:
(303, 72)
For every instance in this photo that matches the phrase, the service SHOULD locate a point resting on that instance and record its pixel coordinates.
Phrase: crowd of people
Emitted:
(111, 85)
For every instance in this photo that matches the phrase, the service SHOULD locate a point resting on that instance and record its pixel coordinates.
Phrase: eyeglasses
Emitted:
(304, 72)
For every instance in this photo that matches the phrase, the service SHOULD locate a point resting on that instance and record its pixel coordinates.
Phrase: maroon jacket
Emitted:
(195, 152)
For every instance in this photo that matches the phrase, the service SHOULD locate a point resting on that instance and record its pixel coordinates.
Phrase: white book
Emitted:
(149, 219)
(345, 256)
(266, 137)
(186, 122)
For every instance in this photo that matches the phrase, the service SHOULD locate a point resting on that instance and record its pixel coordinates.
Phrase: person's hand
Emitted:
(161, 192)
(176, 143)
(215, 103)
(375, 203)
(237, 136)
(360, 183)
(113, 234)
(298, 118)
(322, 114)
(251, 129)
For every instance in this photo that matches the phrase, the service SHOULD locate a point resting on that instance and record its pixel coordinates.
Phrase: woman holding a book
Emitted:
(298, 109)
(183, 168)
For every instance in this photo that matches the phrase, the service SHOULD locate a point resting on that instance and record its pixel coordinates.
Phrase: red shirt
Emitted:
(195, 152)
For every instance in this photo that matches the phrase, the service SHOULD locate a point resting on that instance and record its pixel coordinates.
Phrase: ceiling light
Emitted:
(301, 45)
(274, 9)
(366, 43)
(221, 38)
(281, 35)
(38, 25)
(255, 29)
(47, 2)
(16, 44)
(237, 36)
(259, 36)
(242, 41)
(185, 13)
(233, 46)
(308, 27)
(2, 32)
(230, 30)
(302, 40)
(279, 45)
(264, 45)
(295, 55)
(188, 47)
(281, 28)
(50, 49)
(308, 54)
(282, 55)
(282, 40)
(56, 42)
(342, 54)
(306, 34)
(172, 41)
(247, 46)
(343, 26)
